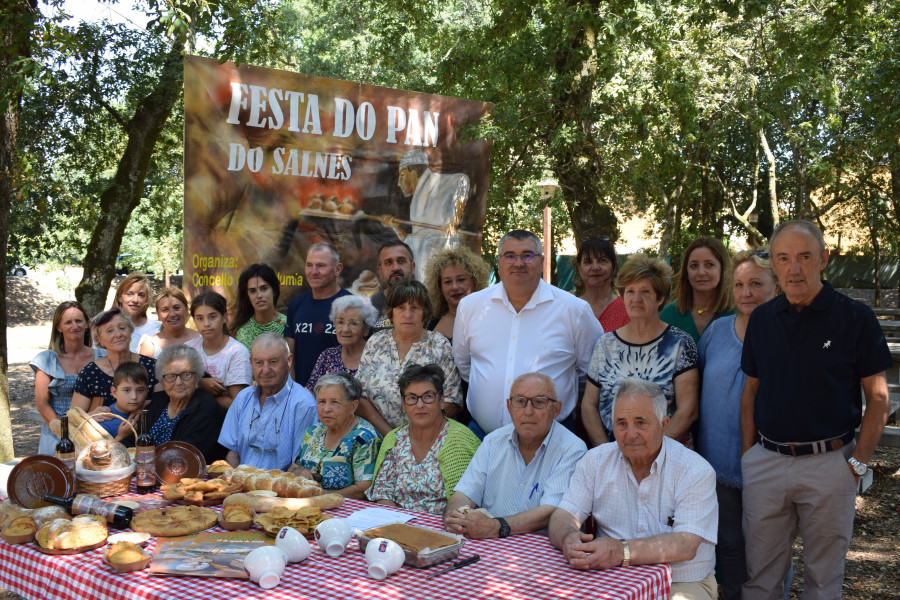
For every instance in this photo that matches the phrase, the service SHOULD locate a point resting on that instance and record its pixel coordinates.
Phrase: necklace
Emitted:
(700, 311)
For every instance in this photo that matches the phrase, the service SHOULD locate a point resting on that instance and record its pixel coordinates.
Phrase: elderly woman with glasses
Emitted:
(340, 449)
(353, 318)
(183, 411)
(420, 462)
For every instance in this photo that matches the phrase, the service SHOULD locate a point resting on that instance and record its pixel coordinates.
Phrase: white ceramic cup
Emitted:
(333, 535)
(265, 566)
(293, 543)
(384, 557)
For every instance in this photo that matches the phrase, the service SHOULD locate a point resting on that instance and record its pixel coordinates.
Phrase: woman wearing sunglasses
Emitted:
(183, 411)
(420, 462)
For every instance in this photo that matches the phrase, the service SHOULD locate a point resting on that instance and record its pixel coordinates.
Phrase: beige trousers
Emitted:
(696, 590)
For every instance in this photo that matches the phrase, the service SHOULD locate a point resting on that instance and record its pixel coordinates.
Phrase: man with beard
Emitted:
(395, 263)
(309, 329)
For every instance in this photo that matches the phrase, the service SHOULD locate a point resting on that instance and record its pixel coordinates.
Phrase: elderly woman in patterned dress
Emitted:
(420, 462)
(353, 318)
(340, 449)
(389, 352)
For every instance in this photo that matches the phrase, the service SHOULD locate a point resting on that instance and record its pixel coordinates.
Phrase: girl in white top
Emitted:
(133, 297)
(227, 360)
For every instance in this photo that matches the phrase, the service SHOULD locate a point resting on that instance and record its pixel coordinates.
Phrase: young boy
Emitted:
(129, 388)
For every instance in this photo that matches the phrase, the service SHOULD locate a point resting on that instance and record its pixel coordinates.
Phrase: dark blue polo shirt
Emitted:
(809, 364)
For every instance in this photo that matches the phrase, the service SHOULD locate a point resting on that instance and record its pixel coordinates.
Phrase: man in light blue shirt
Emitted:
(520, 472)
(265, 423)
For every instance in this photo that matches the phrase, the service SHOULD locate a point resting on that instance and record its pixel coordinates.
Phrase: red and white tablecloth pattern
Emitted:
(519, 567)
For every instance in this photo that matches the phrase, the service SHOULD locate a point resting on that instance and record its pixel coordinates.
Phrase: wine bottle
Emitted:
(84, 504)
(65, 449)
(145, 458)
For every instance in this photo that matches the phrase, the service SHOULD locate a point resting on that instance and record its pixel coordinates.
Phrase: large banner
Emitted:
(276, 161)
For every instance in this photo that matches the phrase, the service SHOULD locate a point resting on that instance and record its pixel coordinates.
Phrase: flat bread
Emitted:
(174, 521)
(411, 538)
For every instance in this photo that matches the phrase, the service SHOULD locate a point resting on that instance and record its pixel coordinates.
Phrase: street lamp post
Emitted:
(547, 188)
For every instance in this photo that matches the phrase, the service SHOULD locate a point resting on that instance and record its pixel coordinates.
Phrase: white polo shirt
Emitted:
(553, 334)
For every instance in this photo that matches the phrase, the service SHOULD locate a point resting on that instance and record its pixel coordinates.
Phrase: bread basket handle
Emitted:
(91, 418)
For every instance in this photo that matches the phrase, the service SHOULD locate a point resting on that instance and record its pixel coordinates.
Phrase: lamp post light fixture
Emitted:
(547, 188)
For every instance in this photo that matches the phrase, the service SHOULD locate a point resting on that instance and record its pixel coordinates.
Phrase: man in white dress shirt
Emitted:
(521, 325)
(652, 499)
(521, 471)
(265, 423)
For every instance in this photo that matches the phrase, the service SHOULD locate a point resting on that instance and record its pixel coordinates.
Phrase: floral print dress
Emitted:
(410, 484)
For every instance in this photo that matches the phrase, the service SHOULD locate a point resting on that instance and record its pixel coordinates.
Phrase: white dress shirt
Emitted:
(553, 334)
(679, 495)
(497, 478)
(269, 439)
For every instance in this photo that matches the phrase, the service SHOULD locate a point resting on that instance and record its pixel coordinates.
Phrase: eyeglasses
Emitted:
(510, 258)
(258, 440)
(538, 402)
(601, 238)
(761, 253)
(185, 377)
(413, 399)
(351, 323)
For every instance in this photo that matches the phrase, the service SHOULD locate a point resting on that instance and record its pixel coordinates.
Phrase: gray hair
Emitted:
(170, 354)
(368, 312)
(634, 386)
(268, 339)
(335, 256)
(807, 226)
(545, 379)
(521, 234)
(352, 388)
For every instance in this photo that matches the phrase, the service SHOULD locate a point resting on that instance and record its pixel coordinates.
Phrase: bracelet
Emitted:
(626, 553)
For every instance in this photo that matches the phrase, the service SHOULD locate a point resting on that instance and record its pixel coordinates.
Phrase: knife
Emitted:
(469, 561)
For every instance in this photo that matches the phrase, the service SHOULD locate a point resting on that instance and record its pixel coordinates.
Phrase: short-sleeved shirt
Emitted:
(353, 459)
(380, 368)
(269, 439)
(678, 496)
(410, 484)
(660, 360)
(249, 331)
(498, 479)
(309, 324)
(329, 361)
(809, 364)
(92, 382)
(231, 364)
(112, 425)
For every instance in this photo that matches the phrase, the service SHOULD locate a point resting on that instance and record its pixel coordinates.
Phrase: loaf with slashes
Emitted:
(284, 484)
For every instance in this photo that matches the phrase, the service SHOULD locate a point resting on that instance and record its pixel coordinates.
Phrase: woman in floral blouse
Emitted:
(389, 352)
(340, 449)
(421, 462)
(353, 318)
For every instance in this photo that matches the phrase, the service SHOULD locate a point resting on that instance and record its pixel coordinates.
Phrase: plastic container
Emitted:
(424, 559)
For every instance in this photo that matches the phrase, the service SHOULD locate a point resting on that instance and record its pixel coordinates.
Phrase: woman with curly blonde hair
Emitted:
(450, 276)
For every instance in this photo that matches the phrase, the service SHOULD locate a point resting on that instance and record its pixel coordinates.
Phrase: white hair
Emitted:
(634, 386)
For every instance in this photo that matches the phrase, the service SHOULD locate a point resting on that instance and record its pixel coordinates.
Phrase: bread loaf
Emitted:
(261, 504)
(82, 435)
(104, 455)
(286, 485)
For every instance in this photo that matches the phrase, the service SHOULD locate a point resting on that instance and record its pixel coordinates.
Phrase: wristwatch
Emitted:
(858, 467)
(504, 527)
(626, 553)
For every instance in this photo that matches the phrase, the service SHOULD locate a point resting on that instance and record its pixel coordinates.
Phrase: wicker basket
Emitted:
(108, 488)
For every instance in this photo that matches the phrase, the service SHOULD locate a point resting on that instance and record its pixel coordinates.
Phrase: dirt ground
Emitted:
(873, 562)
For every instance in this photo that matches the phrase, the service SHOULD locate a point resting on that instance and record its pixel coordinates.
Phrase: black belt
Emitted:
(805, 449)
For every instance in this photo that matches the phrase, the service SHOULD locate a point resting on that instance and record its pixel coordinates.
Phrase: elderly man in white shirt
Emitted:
(652, 499)
(521, 325)
(521, 471)
(265, 423)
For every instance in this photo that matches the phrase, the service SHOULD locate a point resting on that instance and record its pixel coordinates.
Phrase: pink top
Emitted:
(614, 315)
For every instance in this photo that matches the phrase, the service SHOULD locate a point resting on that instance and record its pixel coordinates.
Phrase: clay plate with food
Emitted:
(125, 557)
(65, 551)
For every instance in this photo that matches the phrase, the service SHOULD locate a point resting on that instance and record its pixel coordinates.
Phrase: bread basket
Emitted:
(105, 483)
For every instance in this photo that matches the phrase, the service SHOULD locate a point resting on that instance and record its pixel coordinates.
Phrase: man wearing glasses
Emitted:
(265, 423)
(521, 325)
(519, 474)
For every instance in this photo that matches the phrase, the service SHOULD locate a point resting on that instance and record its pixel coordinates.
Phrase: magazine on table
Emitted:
(207, 554)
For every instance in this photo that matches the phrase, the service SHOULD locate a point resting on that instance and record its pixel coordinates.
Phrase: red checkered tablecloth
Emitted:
(523, 566)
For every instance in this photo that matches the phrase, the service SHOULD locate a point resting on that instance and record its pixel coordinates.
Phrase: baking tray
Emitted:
(422, 560)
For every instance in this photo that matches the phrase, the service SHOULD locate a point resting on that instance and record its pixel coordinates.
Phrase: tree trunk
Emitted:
(772, 177)
(876, 251)
(119, 200)
(17, 21)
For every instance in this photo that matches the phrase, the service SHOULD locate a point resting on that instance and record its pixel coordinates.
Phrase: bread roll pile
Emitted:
(284, 484)
(64, 534)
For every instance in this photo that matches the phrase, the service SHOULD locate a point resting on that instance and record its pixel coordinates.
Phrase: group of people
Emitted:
(710, 423)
